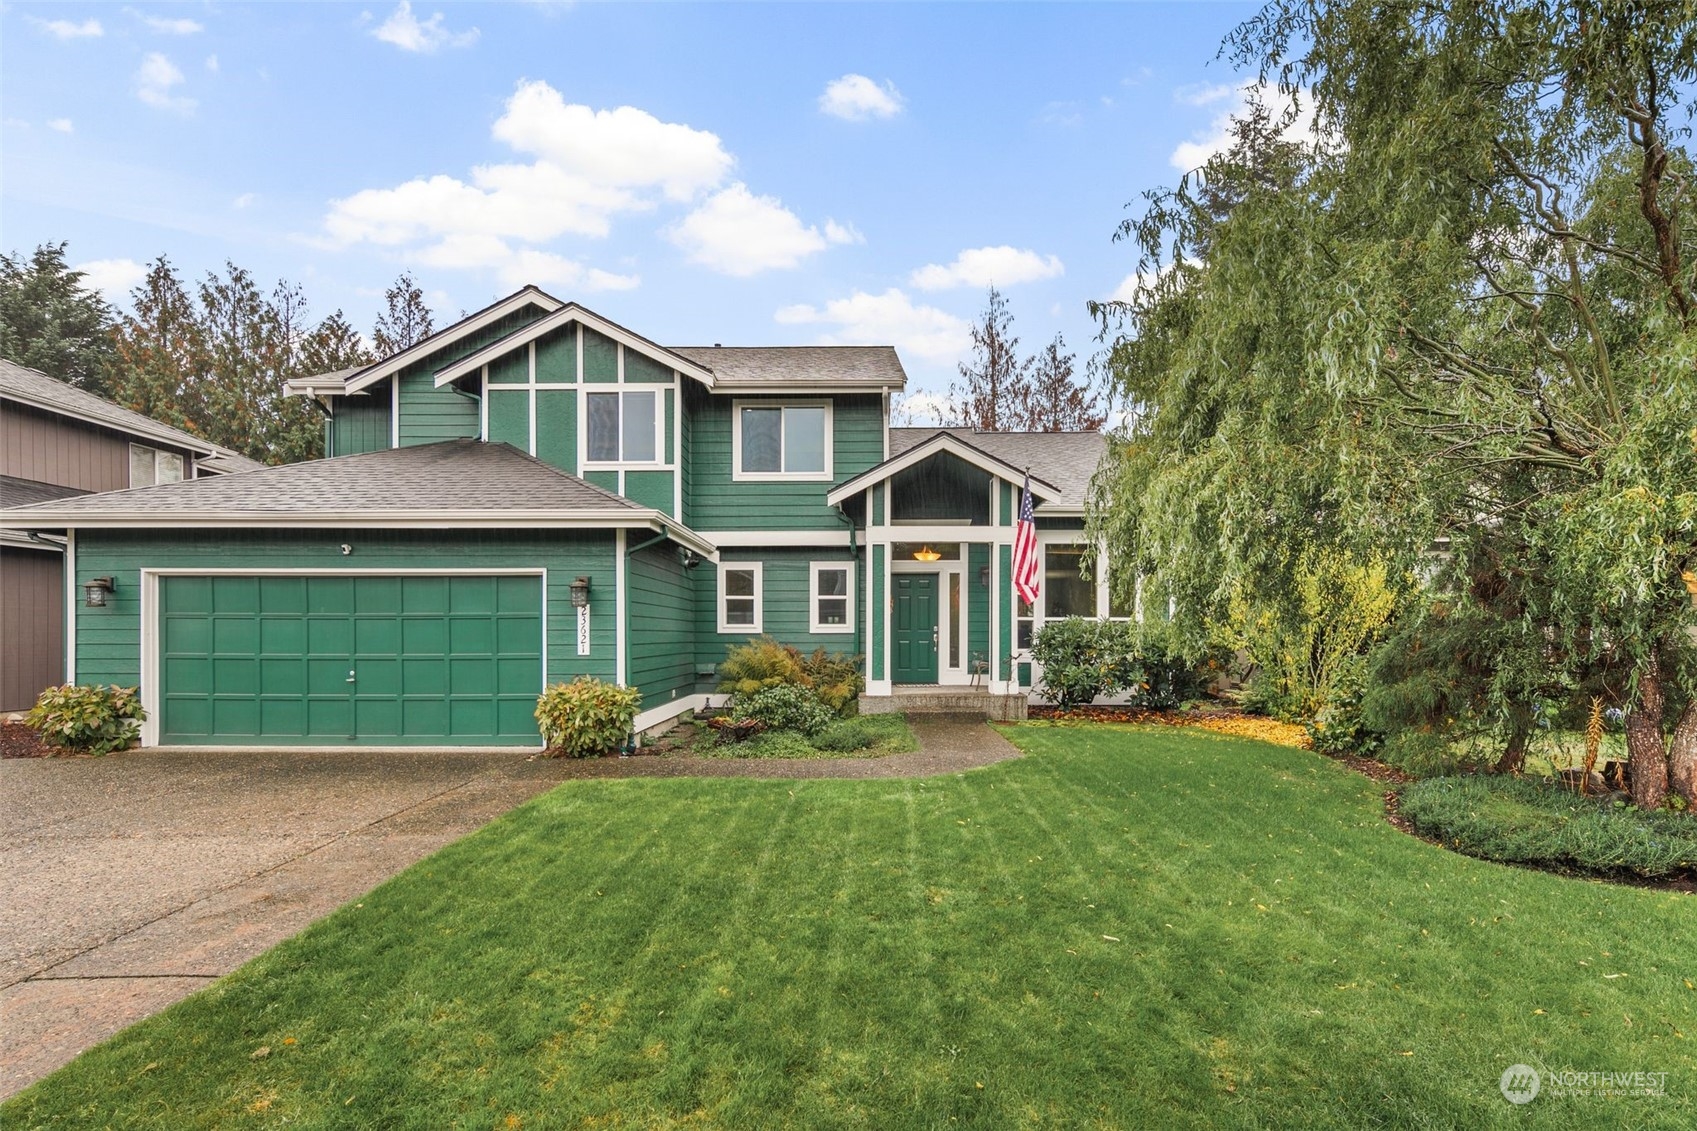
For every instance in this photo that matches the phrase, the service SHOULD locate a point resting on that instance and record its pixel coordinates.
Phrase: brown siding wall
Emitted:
(32, 625)
(52, 449)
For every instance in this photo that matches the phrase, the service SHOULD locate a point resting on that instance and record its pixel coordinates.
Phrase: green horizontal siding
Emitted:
(786, 582)
(717, 502)
(360, 424)
(429, 414)
(108, 640)
(661, 636)
(650, 489)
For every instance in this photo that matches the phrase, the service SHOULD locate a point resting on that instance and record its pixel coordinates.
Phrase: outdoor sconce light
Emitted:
(580, 593)
(94, 593)
(688, 557)
(926, 554)
(984, 577)
(346, 549)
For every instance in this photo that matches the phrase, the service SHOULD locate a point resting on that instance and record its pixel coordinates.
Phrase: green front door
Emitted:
(411, 660)
(916, 628)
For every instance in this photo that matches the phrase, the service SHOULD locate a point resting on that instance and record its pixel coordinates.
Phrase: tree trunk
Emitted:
(1519, 734)
(1682, 756)
(1646, 757)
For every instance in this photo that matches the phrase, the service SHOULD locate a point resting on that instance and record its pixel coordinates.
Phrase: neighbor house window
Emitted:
(739, 598)
(150, 465)
(832, 609)
(623, 426)
(790, 441)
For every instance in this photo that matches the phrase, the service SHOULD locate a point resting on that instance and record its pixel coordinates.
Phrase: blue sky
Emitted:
(746, 174)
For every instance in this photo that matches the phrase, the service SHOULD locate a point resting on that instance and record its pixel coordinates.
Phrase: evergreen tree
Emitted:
(159, 349)
(51, 322)
(995, 390)
(333, 345)
(406, 319)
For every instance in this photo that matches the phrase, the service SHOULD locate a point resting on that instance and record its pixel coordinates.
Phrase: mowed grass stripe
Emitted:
(718, 953)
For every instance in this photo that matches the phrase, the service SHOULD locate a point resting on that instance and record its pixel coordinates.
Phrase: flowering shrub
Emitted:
(586, 717)
(91, 720)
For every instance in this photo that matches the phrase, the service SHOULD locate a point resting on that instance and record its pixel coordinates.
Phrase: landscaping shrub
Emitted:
(586, 717)
(1516, 820)
(835, 677)
(1339, 727)
(757, 664)
(1425, 754)
(1085, 659)
(889, 733)
(784, 706)
(90, 720)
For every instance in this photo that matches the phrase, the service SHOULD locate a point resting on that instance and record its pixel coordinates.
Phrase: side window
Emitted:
(149, 466)
(622, 426)
(739, 597)
(783, 441)
(830, 608)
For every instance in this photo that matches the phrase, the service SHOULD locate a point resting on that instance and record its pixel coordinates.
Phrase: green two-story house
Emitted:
(536, 493)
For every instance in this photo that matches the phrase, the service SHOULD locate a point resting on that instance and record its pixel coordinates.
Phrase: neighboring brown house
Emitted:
(57, 441)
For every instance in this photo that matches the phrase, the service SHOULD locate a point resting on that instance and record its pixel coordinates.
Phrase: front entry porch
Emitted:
(932, 699)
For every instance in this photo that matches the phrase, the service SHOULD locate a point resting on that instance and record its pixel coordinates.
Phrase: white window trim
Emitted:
(814, 569)
(738, 475)
(755, 629)
(659, 461)
(158, 454)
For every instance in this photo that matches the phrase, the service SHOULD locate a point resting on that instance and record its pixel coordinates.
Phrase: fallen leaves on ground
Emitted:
(1234, 723)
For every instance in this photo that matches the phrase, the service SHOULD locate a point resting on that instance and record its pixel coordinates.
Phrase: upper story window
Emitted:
(150, 465)
(624, 426)
(789, 441)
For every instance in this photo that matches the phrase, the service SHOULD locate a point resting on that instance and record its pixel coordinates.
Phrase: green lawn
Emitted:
(1131, 927)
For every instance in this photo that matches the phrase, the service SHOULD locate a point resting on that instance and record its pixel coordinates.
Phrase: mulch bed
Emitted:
(18, 741)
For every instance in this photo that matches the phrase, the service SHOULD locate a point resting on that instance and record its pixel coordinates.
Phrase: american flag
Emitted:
(1025, 548)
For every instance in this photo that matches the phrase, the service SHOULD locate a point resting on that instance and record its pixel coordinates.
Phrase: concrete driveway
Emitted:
(129, 882)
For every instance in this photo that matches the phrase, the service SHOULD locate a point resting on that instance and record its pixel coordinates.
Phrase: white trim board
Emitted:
(389, 366)
(564, 315)
(941, 442)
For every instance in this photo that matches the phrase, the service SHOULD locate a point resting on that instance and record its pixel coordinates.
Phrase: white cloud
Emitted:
(887, 319)
(404, 30)
(114, 278)
(1204, 94)
(166, 26)
(212, 63)
(155, 80)
(842, 233)
(65, 29)
(921, 408)
(737, 233)
(1135, 285)
(1193, 154)
(590, 166)
(63, 125)
(856, 98)
(625, 147)
(245, 200)
(1001, 266)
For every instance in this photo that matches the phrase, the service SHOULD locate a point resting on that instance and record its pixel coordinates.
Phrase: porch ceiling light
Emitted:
(926, 554)
(94, 592)
(580, 592)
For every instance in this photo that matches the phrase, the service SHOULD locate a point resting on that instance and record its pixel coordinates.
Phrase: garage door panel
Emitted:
(282, 636)
(380, 636)
(437, 658)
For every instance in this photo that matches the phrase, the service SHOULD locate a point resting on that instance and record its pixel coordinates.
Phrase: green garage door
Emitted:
(373, 660)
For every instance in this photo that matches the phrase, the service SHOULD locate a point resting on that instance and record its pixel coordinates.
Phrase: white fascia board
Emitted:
(941, 442)
(148, 430)
(779, 539)
(307, 387)
(566, 315)
(371, 374)
(785, 388)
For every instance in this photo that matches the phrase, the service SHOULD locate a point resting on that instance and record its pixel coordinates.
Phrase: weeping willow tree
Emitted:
(1460, 316)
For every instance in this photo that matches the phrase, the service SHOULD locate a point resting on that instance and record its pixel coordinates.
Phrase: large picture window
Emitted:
(831, 602)
(1066, 592)
(739, 598)
(623, 426)
(791, 441)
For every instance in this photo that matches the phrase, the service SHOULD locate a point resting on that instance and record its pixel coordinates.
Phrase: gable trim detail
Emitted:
(563, 316)
(941, 442)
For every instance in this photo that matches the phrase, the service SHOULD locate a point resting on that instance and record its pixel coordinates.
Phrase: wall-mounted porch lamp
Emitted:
(94, 593)
(984, 577)
(580, 593)
(926, 554)
(688, 557)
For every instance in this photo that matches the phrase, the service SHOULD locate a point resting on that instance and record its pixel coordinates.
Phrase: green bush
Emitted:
(784, 706)
(89, 720)
(1425, 754)
(1085, 659)
(835, 678)
(888, 734)
(757, 664)
(1339, 727)
(1519, 821)
(586, 717)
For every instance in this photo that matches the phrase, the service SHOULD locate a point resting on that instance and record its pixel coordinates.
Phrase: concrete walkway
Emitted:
(132, 881)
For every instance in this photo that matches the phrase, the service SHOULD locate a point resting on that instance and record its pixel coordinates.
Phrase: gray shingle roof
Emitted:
(15, 492)
(37, 389)
(1065, 459)
(874, 367)
(453, 476)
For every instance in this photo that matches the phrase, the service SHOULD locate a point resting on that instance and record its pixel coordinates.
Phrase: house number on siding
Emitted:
(583, 630)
